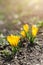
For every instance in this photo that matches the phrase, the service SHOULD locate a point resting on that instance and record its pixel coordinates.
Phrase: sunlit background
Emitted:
(16, 12)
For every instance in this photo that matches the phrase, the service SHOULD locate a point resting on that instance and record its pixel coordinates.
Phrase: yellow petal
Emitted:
(34, 30)
(26, 27)
(10, 40)
(23, 33)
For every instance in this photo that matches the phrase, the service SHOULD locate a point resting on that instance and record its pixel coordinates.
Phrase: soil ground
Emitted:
(27, 55)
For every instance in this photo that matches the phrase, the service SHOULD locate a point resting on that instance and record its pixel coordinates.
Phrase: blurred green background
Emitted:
(14, 13)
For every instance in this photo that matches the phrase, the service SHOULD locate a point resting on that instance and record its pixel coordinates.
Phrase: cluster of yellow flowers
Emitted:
(26, 29)
(14, 39)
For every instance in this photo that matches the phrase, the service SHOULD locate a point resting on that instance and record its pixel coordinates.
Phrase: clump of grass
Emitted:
(40, 24)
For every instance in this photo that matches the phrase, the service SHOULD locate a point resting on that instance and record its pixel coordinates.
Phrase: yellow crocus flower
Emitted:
(23, 33)
(34, 30)
(13, 40)
(26, 27)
